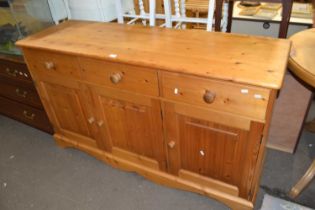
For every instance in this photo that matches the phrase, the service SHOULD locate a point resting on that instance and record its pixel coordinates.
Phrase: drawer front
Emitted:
(121, 76)
(44, 64)
(27, 114)
(20, 93)
(14, 71)
(229, 97)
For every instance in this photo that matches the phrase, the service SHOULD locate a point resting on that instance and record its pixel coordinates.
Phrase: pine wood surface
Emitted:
(211, 140)
(232, 201)
(239, 58)
(228, 96)
(301, 61)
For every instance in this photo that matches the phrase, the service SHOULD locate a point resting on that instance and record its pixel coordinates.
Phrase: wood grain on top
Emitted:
(246, 59)
(301, 60)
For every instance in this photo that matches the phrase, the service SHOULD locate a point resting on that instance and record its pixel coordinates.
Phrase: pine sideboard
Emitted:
(188, 109)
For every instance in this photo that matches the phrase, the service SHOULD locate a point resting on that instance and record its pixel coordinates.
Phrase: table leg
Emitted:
(303, 182)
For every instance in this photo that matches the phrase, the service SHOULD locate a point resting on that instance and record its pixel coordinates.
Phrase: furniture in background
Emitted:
(18, 97)
(180, 115)
(292, 104)
(174, 14)
(301, 63)
(180, 18)
(199, 8)
(133, 16)
(303, 182)
(266, 27)
(290, 111)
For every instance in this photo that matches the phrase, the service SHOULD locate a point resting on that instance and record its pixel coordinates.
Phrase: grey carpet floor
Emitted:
(36, 174)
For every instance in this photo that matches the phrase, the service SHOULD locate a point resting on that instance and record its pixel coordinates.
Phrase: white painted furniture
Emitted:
(143, 15)
(180, 17)
(263, 27)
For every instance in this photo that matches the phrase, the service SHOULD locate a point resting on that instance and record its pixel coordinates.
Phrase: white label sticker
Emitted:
(244, 91)
(258, 96)
(176, 91)
(202, 153)
(113, 56)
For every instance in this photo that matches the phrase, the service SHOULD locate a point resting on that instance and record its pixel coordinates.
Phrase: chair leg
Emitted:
(119, 11)
(152, 12)
(303, 182)
(168, 13)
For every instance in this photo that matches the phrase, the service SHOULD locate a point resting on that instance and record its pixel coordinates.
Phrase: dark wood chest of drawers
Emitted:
(18, 97)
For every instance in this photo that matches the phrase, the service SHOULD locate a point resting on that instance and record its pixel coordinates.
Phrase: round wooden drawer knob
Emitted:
(49, 65)
(116, 78)
(100, 123)
(91, 120)
(171, 144)
(209, 97)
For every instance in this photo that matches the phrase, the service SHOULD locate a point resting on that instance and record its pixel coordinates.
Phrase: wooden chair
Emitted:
(286, 14)
(143, 15)
(200, 7)
(181, 19)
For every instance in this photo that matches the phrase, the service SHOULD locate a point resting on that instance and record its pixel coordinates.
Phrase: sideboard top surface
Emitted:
(258, 61)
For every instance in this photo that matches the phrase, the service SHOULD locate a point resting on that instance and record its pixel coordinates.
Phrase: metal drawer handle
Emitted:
(116, 78)
(29, 116)
(209, 97)
(49, 65)
(12, 73)
(21, 93)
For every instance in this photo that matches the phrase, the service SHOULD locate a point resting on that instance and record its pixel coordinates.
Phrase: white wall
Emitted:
(95, 10)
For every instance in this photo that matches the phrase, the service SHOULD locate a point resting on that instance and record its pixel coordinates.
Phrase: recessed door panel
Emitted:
(134, 123)
(211, 149)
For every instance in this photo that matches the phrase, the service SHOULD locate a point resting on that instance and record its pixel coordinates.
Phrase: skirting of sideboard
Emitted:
(234, 202)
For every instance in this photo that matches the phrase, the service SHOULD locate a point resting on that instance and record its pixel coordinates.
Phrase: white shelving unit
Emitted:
(255, 26)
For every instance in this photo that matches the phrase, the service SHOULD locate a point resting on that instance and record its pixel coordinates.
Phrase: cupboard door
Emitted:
(208, 148)
(134, 125)
(68, 110)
